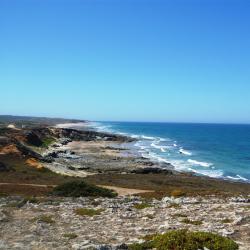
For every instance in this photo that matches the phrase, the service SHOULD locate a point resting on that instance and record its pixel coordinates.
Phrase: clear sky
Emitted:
(138, 60)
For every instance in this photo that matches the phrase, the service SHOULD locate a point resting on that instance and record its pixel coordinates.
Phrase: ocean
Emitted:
(215, 150)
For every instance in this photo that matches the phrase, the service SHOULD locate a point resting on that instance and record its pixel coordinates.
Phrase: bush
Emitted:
(45, 219)
(183, 239)
(47, 142)
(177, 193)
(70, 236)
(88, 212)
(80, 188)
(227, 220)
(142, 205)
(192, 222)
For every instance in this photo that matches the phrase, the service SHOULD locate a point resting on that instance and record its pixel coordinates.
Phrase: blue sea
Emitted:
(215, 150)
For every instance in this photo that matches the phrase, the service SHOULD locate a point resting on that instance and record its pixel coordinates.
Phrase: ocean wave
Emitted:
(210, 173)
(162, 148)
(200, 163)
(154, 157)
(185, 152)
(238, 177)
(147, 137)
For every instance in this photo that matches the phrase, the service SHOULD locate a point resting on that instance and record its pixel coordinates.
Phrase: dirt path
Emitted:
(23, 184)
(126, 191)
(120, 191)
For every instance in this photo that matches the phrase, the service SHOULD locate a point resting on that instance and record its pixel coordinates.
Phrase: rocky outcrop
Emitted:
(53, 223)
(32, 138)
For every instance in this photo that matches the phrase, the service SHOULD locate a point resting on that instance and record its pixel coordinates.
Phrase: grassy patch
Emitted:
(192, 222)
(142, 205)
(80, 188)
(174, 205)
(180, 215)
(183, 239)
(47, 142)
(227, 220)
(45, 219)
(70, 236)
(88, 212)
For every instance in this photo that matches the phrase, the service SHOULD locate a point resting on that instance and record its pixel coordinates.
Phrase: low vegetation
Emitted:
(227, 220)
(192, 222)
(142, 205)
(21, 203)
(45, 219)
(177, 193)
(82, 189)
(183, 239)
(88, 212)
(47, 142)
(70, 236)
(179, 215)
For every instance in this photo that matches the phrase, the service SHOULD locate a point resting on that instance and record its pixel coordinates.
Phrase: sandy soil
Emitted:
(126, 191)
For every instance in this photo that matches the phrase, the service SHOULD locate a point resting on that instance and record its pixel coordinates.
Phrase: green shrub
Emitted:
(193, 222)
(88, 212)
(179, 215)
(142, 205)
(80, 188)
(70, 236)
(47, 141)
(226, 221)
(185, 240)
(45, 219)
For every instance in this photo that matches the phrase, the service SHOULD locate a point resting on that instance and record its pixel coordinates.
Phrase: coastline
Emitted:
(151, 199)
(156, 162)
(107, 159)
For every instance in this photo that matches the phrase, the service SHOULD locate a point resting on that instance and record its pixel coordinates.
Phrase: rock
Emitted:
(33, 139)
(4, 217)
(121, 247)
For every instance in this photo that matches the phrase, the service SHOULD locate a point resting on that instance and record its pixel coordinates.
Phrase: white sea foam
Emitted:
(148, 137)
(162, 148)
(200, 163)
(185, 152)
(175, 145)
(238, 177)
(210, 173)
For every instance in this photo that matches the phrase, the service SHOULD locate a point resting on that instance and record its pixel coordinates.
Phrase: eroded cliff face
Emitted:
(30, 141)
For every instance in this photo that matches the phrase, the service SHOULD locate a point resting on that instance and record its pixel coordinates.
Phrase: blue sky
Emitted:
(133, 60)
